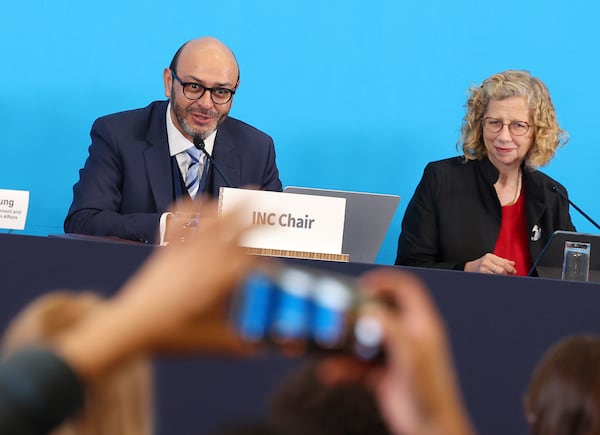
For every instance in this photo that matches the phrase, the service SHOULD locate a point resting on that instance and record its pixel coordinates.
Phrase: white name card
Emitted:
(288, 221)
(13, 209)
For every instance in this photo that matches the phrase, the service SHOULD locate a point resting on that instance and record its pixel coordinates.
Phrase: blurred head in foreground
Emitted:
(564, 391)
(122, 402)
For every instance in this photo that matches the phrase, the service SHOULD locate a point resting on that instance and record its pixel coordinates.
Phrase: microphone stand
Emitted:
(199, 144)
(555, 188)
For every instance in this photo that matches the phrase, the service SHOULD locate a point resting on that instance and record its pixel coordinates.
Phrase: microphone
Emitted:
(199, 144)
(554, 188)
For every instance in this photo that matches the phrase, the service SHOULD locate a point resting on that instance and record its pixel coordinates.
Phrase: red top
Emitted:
(512, 242)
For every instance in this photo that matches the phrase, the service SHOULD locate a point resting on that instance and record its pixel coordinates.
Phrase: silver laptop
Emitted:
(368, 217)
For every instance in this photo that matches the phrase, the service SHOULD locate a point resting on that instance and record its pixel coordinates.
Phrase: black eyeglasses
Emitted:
(195, 91)
(516, 128)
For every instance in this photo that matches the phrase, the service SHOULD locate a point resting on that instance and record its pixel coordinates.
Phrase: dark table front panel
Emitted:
(499, 328)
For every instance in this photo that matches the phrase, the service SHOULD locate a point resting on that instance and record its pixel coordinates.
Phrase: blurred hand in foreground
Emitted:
(416, 385)
(177, 301)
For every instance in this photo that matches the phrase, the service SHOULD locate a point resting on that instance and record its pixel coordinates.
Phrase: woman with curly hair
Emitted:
(491, 210)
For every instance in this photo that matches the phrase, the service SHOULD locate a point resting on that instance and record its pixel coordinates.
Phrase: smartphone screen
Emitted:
(302, 307)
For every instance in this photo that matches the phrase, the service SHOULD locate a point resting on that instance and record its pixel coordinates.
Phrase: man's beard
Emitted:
(181, 116)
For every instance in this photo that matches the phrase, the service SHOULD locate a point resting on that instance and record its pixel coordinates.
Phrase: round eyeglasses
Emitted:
(516, 128)
(195, 91)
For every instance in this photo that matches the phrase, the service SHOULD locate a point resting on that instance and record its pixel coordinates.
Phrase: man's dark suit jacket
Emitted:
(455, 215)
(128, 179)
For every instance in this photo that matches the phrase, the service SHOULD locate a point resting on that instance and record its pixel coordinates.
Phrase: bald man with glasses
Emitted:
(141, 161)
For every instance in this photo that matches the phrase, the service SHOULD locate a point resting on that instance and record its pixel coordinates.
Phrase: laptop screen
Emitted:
(368, 217)
(549, 263)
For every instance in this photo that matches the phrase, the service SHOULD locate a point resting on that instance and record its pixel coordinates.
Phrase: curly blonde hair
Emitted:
(548, 136)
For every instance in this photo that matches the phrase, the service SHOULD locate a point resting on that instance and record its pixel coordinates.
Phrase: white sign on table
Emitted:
(287, 221)
(13, 209)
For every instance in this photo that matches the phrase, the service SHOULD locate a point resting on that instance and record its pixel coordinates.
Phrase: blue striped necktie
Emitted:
(192, 176)
(195, 182)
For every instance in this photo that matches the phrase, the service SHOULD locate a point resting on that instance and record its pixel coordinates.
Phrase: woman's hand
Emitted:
(491, 263)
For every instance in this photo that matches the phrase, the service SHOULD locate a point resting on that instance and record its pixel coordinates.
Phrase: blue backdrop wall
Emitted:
(357, 95)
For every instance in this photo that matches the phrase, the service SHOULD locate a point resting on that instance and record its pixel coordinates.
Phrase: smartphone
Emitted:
(298, 309)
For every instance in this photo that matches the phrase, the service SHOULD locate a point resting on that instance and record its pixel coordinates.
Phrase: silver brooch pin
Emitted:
(536, 233)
